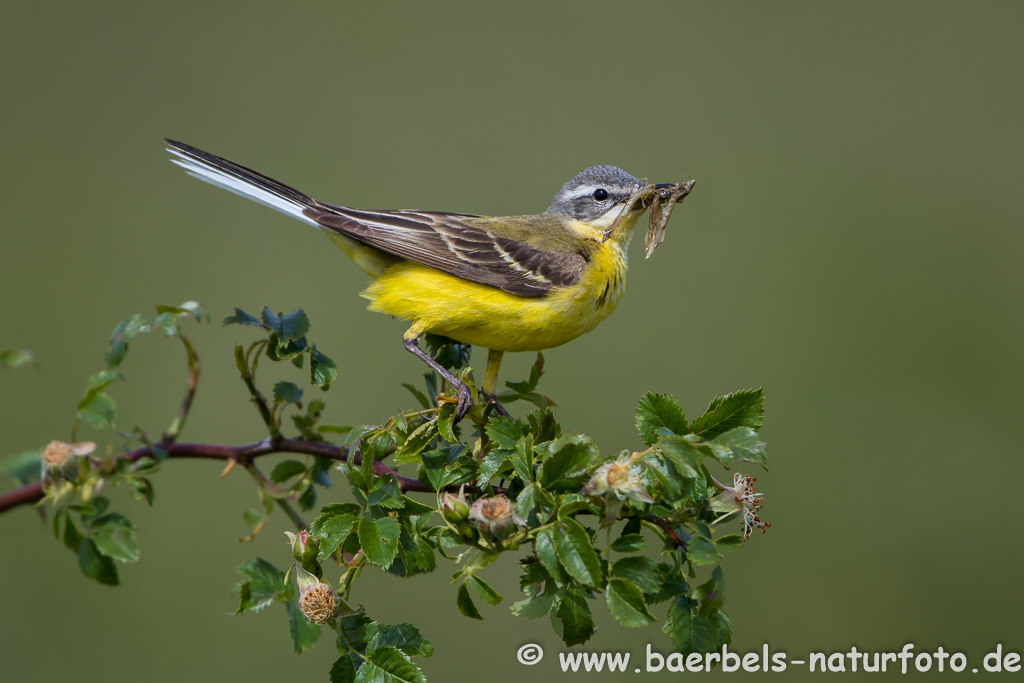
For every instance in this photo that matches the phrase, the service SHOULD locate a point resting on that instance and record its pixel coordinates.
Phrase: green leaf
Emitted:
(569, 465)
(504, 432)
(542, 425)
(465, 603)
(385, 492)
(379, 540)
(405, 637)
(544, 546)
(332, 530)
(242, 318)
(576, 552)
(115, 537)
(99, 412)
(701, 552)
(288, 326)
(345, 667)
(490, 465)
(304, 634)
(446, 423)
(658, 411)
(534, 607)
(287, 392)
(418, 395)
(414, 444)
(15, 358)
(72, 537)
(522, 458)
(286, 469)
(95, 565)
(738, 409)
(576, 620)
(640, 571)
(684, 455)
(265, 580)
(711, 593)
(741, 443)
(729, 544)
(389, 665)
(484, 590)
(322, 370)
(628, 543)
(415, 555)
(693, 633)
(626, 603)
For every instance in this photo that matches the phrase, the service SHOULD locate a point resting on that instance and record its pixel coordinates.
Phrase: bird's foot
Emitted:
(465, 401)
(493, 400)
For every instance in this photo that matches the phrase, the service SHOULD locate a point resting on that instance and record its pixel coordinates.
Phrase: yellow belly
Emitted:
(478, 314)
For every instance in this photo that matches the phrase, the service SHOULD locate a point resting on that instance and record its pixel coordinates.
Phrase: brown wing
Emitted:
(460, 244)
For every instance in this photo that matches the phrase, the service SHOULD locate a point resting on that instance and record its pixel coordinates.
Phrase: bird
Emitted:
(508, 284)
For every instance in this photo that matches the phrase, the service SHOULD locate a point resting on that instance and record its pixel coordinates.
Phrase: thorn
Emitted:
(227, 468)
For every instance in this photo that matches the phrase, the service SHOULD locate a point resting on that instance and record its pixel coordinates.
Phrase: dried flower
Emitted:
(620, 478)
(741, 498)
(494, 517)
(57, 453)
(317, 600)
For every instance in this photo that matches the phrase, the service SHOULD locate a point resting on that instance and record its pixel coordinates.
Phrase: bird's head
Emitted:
(595, 198)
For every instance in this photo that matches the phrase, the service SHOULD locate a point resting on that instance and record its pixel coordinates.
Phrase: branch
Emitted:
(242, 454)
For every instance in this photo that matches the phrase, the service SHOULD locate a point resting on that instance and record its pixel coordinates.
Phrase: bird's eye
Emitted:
(600, 194)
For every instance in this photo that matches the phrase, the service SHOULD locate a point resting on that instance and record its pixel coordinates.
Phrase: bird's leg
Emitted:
(490, 387)
(412, 345)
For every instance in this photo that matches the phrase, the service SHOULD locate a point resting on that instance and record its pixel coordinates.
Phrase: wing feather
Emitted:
(459, 245)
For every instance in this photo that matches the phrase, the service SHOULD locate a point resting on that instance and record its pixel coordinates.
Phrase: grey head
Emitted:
(593, 192)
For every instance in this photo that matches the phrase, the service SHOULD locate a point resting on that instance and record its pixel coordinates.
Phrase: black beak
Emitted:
(662, 186)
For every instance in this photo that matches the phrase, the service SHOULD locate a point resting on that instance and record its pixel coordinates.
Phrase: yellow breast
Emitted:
(478, 314)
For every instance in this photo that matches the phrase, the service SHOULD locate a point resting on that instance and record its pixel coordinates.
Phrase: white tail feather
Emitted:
(215, 176)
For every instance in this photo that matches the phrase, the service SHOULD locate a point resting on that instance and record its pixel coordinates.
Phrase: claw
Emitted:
(465, 402)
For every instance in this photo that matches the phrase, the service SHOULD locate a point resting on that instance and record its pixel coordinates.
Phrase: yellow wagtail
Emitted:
(512, 283)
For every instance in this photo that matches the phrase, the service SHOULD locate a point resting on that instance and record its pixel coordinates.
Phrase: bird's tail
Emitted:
(243, 181)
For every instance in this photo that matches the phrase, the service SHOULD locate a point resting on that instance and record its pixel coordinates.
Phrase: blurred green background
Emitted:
(853, 245)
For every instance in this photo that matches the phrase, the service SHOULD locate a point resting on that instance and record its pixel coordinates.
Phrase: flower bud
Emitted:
(305, 548)
(454, 508)
(494, 517)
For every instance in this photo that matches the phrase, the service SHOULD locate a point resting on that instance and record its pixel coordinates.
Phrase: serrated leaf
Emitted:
(490, 465)
(242, 318)
(533, 608)
(639, 570)
(465, 603)
(304, 634)
(658, 411)
(446, 423)
(542, 425)
(404, 637)
(288, 326)
(504, 432)
(264, 578)
(741, 443)
(568, 468)
(95, 565)
(389, 665)
(576, 552)
(385, 493)
(701, 552)
(626, 603)
(115, 537)
(693, 633)
(379, 540)
(322, 369)
(286, 469)
(738, 409)
(332, 530)
(287, 392)
(628, 543)
(574, 613)
(484, 590)
(544, 546)
(99, 412)
(418, 439)
(522, 458)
